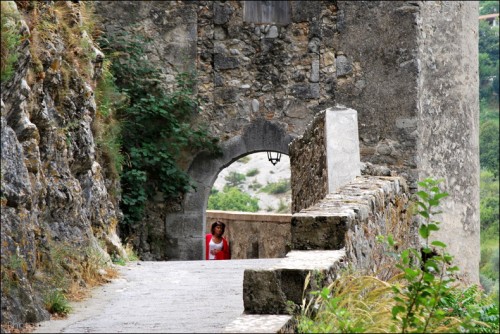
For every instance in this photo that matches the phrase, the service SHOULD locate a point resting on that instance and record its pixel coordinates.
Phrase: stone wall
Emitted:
(392, 61)
(377, 42)
(340, 230)
(309, 173)
(353, 217)
(254, 235)
(250, 70)
(448, 123)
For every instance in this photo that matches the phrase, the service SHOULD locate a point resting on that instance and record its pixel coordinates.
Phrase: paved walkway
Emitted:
(162, 297)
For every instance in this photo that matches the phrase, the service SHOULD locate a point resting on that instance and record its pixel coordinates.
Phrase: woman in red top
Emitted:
(217, 247)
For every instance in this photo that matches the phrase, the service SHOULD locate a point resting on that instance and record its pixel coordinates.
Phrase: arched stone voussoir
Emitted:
(260, 135)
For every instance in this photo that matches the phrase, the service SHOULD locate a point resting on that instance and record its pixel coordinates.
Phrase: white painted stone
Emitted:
(314, 77)
(255, 105)
(342, 141)
(273, 32)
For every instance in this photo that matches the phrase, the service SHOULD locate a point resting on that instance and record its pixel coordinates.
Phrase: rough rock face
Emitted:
(54, 200)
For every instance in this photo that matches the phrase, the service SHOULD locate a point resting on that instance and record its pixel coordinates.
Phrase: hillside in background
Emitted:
(269, 184)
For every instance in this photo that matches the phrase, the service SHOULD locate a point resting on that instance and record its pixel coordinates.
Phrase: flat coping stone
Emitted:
(305, 260)
(260, 323)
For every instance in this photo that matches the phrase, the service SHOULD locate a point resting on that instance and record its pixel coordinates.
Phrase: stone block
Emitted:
(222, 13)
(261, 323)
(322, 231)
(303, 11)
(344, 66)
(314, 77)
(268, 290)
(226, 95)
(306, 91)
(343, 158)
(222, 62)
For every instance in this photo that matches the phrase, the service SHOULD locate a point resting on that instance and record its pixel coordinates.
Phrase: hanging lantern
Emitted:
(274, 159)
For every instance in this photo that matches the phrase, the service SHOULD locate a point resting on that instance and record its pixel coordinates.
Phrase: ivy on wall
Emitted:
(155, 126)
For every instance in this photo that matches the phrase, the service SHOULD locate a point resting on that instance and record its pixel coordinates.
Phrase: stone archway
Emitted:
(185, 229)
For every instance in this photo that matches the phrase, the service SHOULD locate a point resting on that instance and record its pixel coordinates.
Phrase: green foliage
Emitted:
(488, 111)
(427, 273)
(488, 7)
(488, 143)
(282, 207)
(488, 61)
(489, 149)
(488, 56)
(252, 172)
(490, 263)
(255, 185)
(107, 128)
(479, 314)
(232, 199)
(489, 213)
(155, 126)
(10, 39)
(234, 179)
(118, 260)
(280, 187)
(56, 302)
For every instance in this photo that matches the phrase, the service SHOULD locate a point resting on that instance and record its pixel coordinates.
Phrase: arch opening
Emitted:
(252, 197)
(185, 229)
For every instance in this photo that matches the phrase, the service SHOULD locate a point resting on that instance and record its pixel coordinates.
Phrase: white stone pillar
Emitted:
(342, 144)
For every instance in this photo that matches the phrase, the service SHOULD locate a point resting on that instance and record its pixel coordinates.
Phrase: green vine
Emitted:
(156, 126)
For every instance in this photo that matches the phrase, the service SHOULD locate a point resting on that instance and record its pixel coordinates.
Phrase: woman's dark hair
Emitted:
(218, 223)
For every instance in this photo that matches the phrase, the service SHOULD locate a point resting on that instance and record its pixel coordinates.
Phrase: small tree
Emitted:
(234, 179)
(232, 199)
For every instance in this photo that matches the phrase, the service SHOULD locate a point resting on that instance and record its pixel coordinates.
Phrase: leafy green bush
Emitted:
(280, 187)
(232, 199)
(252, 172)
(10, 39)
(488, 7)
(56, 302)
(155, 126)
(427, 273)
(489, 145)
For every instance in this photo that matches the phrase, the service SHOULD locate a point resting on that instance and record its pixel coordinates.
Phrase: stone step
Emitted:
(269, 289)
(261, 323)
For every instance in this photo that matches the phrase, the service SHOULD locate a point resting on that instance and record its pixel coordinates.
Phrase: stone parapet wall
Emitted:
(308, 165)
(254, 235)
(271, 288)
(352, 219)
